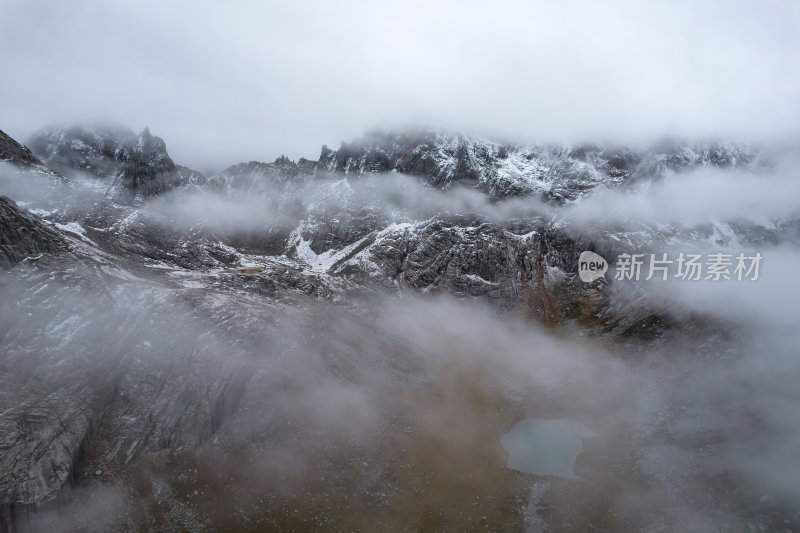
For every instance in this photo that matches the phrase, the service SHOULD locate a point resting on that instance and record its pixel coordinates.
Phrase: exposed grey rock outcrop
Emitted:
(22, 235)
(13, 152)
(254, 177)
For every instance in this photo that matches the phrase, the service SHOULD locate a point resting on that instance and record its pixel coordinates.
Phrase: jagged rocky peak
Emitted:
(14, 152)
(256, 176)
(557, 173)
(152, 150)
(122, 160)
(139, 165)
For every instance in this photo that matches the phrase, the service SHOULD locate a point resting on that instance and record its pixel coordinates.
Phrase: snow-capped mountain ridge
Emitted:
(557, 174)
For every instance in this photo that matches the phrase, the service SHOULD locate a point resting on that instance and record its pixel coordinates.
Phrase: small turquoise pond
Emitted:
(545, 446)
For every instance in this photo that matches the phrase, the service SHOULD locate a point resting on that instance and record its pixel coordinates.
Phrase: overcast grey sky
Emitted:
(229, 81)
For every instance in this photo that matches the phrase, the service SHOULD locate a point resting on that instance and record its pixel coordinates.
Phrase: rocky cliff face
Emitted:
(23, 236)
(283, 175)
(127, 164)
(15, 153)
